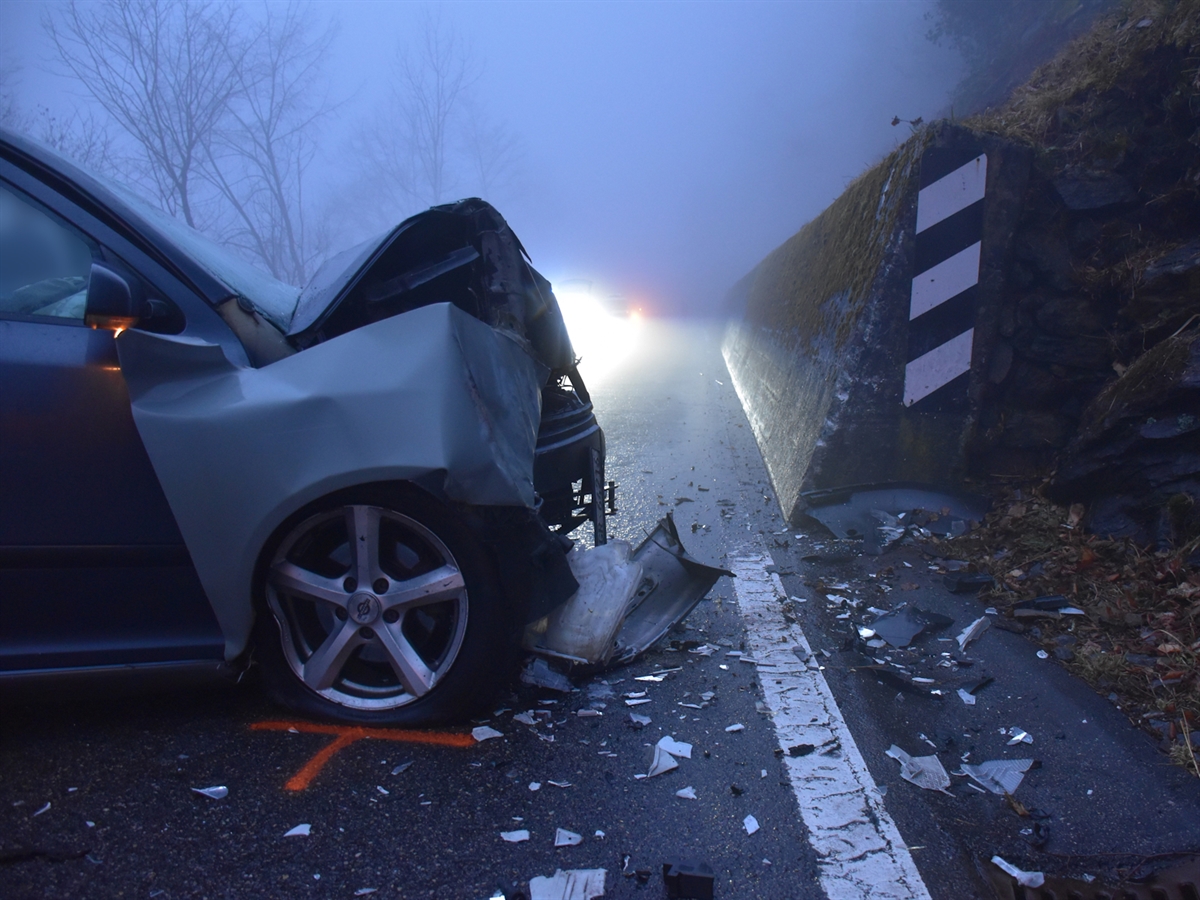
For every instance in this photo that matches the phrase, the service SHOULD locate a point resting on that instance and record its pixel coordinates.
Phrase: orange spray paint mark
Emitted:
(345, 735)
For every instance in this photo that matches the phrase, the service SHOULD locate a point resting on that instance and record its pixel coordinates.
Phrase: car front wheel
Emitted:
(382, 611)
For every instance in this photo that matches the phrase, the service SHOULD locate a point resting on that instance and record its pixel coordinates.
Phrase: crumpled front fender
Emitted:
(433, 395)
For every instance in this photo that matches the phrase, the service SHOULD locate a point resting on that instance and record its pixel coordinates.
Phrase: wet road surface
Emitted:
(96, 795)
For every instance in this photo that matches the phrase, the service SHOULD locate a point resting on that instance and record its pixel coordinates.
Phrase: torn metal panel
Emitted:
(433, 396)
(672, 584)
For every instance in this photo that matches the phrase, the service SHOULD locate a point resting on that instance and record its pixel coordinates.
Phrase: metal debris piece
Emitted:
(299, 831)
(564, 838)
(687, 793)
(674, 747)
(924, 771)
(733, 729)
(1019, 737)
(515, 837)
(899, 628)
(973, 631)
(1025, 879)
(573, 884)
(485, 733)
(1000, 776)
(750, 824)
(662, 762)
(539, 673)
(217, 792)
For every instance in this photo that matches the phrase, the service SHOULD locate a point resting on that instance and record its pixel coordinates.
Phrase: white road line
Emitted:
(860, 852)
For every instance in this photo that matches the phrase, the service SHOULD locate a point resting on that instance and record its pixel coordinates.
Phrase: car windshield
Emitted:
(271, 297)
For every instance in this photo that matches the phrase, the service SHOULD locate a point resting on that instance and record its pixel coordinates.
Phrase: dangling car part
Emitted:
(627, 600)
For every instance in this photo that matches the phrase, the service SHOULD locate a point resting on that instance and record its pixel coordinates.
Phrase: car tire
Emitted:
(427, 641)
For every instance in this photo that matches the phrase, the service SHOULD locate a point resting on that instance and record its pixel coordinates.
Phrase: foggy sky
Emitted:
(666, 148)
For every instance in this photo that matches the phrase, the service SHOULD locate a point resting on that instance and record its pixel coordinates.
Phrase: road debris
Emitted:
(687, 793)
(900, 627)
(485, 733)
(217, 792)
(515, 837)
(662, 762)
(43, 809)
(688, 879)
(299, 831)
(733, 729)
(1000, 776)
(1025, 879)
(403, 767)
(564, 838)
(966, 696)
(924, 771)
(538, 673)
(750, 824)
(675, 748)
(573, 884)
(638, 721)
(973, 632)
(535, 785)
(1018, 737)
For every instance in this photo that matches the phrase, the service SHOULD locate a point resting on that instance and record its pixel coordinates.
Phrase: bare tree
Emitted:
(11, 114)
(493, 153)
(165, 70)
(260, 158)
(81, 136)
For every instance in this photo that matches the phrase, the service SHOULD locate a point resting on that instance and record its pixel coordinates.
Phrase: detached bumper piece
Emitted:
(627, 599)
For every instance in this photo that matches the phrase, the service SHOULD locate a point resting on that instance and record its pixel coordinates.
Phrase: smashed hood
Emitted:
(464, 253)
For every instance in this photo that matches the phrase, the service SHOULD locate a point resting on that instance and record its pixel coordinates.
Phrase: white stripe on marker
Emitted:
(860, 854)
(952, 193)
(938, 367)
(947, 279)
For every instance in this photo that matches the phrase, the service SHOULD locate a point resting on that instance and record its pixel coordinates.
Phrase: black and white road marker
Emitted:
(859, 849)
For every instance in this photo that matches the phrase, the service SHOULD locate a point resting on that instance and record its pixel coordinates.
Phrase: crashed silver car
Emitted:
(366, 486)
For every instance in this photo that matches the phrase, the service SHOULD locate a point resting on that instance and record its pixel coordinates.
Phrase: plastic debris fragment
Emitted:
(675, 748)
(690, 879)
(1042, 654)
(485, 733)
(899, 628)
(1025, 879)
(973, 631)
(1019, 737)
(599, 834)
(639, 721)
(535, 785)
(967, 697)
(403, 767)
(299, 831)
(382, 789)
(750, 824)
(43, 809)
(573, 884)
(362, 892)
(588, 713)
(1000, 776)
(687, 793)
(538, 673)
(662, 762)
(525, 718)
(217, 792)
(733, 729)
(564, 838)
(515, 837)
(637, 701)
(560, 784)
(924, 771)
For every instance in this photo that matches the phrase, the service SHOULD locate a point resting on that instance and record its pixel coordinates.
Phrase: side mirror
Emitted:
(113, 303)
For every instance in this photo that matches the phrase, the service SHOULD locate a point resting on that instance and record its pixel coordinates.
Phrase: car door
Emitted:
(93, 570)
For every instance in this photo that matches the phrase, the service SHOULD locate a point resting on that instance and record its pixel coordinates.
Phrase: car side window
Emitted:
(44, 263)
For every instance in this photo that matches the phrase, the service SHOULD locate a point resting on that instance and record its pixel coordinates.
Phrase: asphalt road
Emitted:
(96, 796)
